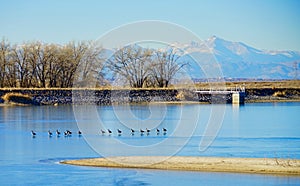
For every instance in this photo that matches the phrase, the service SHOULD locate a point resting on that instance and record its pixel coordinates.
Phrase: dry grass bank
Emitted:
(17, 98)
(256, 84)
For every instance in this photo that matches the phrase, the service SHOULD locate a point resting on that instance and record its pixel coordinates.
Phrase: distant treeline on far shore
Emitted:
(40, 65)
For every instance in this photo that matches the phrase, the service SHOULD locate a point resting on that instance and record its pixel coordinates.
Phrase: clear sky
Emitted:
(263, 24)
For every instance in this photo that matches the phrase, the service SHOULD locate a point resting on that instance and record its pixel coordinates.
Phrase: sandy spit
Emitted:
(207, 164)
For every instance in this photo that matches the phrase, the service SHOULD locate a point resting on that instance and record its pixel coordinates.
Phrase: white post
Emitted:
(235, 98)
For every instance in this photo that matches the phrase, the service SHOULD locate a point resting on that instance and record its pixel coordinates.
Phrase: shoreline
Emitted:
(273, 166)
(140, 96)
(174, 102)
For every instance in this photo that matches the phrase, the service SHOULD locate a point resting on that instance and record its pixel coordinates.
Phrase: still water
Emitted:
(252, 130)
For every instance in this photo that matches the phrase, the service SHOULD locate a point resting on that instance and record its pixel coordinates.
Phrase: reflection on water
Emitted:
(253, 130)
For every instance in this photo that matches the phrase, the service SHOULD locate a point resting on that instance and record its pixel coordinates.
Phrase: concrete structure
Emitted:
(234, 96)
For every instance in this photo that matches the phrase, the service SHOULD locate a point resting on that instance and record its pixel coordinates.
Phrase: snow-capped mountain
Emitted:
(235, 59)
(238, 60)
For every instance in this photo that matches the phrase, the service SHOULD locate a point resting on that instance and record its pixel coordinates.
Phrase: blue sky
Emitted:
(263, 24)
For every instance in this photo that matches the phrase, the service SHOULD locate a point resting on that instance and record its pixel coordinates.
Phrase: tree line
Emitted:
(40, 65)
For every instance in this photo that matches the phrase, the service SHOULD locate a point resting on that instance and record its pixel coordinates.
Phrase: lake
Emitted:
(251, 130)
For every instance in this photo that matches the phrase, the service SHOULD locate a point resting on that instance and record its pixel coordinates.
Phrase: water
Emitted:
(253, 130)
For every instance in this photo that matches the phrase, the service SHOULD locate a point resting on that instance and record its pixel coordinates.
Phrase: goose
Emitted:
(66, 133)
(157, 130)
(33, 133)
(109, 131)
(119, 131)
(69, 132)
(49, 133)
(165, 130)
(102, 131)
(132, 131)
(142, 131)
(57, 133)
(79, 132)
(148, 130)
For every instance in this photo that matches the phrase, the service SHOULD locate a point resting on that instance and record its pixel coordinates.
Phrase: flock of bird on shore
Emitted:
(68, 133)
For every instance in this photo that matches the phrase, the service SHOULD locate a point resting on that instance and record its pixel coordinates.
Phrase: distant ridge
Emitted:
(238, 60)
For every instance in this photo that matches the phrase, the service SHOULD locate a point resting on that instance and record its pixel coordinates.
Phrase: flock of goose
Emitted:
(58, 133)
(68, 133)
(164, 130)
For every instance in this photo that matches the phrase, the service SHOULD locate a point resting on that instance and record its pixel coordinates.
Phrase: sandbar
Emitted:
(205, 164)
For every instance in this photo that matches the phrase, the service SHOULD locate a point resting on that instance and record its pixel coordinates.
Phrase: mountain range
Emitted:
(238, 60)
(235, 59)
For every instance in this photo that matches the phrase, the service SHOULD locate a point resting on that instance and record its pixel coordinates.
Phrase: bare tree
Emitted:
(11, 75)
(166, 65)
(132, 63)
(70, 57)
(90, 63)
(4, 60)
(39, 60)
(7, 66)
(20, 56)
(55, 66)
